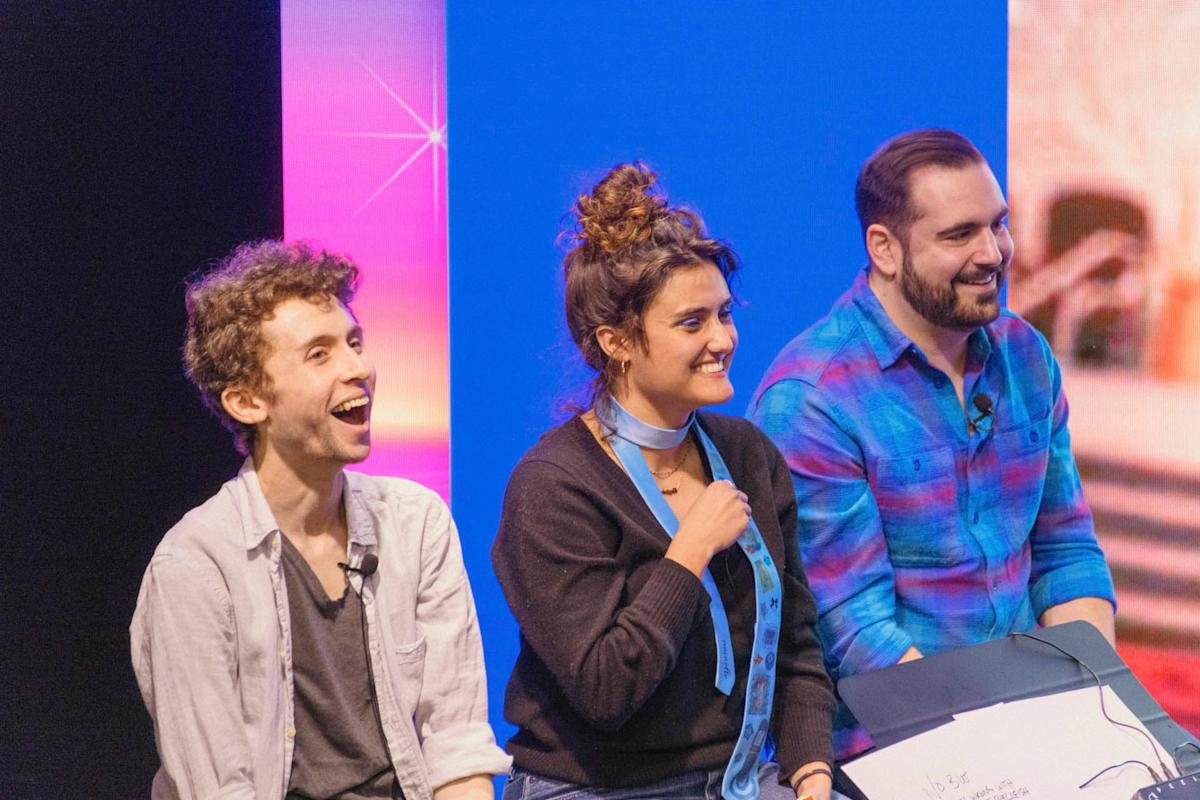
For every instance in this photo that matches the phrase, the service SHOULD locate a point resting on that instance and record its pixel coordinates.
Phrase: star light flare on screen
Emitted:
(364, 174)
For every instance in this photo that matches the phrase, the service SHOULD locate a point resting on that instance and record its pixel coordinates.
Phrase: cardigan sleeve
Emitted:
(804, 703)
(608, 649)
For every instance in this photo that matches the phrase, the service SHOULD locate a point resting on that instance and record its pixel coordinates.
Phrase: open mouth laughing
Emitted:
(355, 411)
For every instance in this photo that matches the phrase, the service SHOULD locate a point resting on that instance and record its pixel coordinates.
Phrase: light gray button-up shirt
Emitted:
(212, 651)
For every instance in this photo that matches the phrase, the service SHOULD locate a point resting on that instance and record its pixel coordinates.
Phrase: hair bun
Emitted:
(621, 209)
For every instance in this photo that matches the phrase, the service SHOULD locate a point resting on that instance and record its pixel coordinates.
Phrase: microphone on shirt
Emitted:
(370, 563)
(983, 404)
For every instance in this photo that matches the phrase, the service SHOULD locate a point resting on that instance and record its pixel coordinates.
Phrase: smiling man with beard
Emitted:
(308, 632)
(926, 431)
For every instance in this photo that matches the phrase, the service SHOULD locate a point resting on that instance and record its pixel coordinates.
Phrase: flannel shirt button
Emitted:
(916, 465)
(975, 519)
(1033, 436)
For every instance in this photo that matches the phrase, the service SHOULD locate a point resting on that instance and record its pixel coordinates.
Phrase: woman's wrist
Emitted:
(688, 554)
(814, 779)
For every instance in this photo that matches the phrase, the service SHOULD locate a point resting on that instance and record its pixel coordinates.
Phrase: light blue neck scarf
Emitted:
(629, 435)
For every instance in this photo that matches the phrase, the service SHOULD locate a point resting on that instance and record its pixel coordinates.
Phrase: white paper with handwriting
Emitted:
(1041, 748)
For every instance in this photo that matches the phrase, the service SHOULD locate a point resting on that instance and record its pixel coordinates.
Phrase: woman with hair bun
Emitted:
(647, 549)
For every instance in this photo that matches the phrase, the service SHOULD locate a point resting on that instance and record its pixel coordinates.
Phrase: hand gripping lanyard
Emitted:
(631, 434)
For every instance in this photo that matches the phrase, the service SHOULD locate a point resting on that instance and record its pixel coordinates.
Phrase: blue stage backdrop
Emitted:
(756, 114)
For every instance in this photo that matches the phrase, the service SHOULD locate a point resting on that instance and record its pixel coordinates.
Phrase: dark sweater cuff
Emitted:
(671, 599)
(804, 735)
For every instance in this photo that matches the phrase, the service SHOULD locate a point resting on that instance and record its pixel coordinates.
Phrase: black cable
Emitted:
(1149, 769)
(1103, 710)
(362, 617)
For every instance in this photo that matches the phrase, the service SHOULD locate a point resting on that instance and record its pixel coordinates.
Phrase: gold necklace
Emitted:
(664, 474)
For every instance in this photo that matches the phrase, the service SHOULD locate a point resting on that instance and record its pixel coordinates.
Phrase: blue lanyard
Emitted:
(741, 776)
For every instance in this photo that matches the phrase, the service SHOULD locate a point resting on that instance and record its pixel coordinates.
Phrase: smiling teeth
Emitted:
(341, 408)
(712, 366)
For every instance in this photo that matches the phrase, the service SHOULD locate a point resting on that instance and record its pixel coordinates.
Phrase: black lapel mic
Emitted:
(370, 563)
(983, 404)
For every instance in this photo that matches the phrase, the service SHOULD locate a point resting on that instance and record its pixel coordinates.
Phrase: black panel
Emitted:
(138, 141)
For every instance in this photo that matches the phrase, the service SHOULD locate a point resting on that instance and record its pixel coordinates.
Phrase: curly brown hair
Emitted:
(627, 241)
(224, 346)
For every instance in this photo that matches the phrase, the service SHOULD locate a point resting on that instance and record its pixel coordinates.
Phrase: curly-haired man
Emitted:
(308, 631)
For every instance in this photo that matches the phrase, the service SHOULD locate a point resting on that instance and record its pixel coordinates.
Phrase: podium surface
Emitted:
(911, 698)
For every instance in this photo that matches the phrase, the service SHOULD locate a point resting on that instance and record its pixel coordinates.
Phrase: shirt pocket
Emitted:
(1023, 454)
(917, 497)
(408, 672)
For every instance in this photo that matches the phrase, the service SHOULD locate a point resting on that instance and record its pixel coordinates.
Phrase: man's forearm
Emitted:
(1096, 610)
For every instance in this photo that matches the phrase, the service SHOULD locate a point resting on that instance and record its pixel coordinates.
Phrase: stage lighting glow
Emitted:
(364, 173)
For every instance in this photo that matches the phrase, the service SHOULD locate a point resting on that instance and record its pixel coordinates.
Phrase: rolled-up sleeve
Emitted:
(451, 714)
(1067, 562)
(839, 528)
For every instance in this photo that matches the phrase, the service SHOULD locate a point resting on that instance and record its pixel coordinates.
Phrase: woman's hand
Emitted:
(713, 523)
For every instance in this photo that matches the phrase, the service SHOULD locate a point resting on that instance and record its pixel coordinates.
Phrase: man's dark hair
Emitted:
(881, 194)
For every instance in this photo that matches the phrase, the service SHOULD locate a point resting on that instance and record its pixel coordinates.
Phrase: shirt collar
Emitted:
(258, 522)
(980, 344)
(886, 340)
(358, 514)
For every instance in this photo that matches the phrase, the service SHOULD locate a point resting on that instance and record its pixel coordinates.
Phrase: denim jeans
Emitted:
(697, 785)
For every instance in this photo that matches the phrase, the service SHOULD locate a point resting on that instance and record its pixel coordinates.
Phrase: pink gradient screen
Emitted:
(364, 174)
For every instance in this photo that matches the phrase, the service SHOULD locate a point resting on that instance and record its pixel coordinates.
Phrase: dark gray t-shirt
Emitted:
(339, 750)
